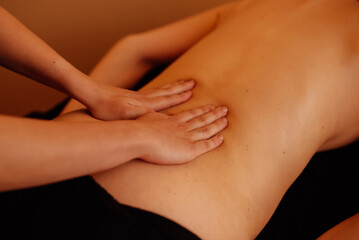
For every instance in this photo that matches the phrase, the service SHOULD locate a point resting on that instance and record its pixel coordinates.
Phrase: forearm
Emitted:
(23, 52)
(126, 63)
(123, 65)
(35, 152)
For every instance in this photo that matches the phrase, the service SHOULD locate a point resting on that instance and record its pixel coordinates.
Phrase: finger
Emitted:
(204, 146)
(207, 118)
(209, 130)
(192, 113)
(163, 102)
(171, 89)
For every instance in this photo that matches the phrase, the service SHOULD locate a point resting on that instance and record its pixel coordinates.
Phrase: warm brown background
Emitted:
(82, 31)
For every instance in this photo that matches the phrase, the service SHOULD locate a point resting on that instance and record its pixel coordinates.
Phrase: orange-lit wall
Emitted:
(82, 31)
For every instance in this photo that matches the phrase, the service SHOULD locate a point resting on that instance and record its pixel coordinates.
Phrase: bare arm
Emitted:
(133, 56)
(165, 44)
(35, 152)
(77, 144)
(22, 51)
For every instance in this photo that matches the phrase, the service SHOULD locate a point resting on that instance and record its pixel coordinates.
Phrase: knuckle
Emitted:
(201, 119)
(174, 85)
(216, 140)
(193, 112)
(159, 91)
(182, 126)
(178, 97)
(166, 98)
(207, 144)
(192, 148)
(220, 123)
(166, 86)
(204, 131)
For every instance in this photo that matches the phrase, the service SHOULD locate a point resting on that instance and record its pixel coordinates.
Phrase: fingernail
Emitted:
(220, 137)
(224, 109)
(225, 120)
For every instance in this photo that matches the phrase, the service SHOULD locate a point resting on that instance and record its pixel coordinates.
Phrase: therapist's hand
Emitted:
(182, 137)
(117, 103)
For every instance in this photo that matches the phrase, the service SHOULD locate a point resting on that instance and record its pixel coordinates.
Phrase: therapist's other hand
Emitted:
(182, 137)
(118, 103)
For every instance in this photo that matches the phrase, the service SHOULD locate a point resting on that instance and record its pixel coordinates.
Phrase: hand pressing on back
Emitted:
(184, 136)
(117, 103)
(94, 146)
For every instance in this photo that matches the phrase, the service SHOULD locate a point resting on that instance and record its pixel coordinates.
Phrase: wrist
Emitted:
(147, 139)
(112, 144)
(132, 139)
(85, 90)
(68, 79)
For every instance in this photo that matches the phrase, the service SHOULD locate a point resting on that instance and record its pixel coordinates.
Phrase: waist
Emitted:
(233, 190)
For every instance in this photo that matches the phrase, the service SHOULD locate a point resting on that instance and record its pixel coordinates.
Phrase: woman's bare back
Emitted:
(287, 72)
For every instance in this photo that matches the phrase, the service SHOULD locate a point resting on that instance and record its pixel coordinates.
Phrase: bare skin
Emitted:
(76, 144)
(346, 230)
(23, 52)
(287, 70)
(57, 150)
